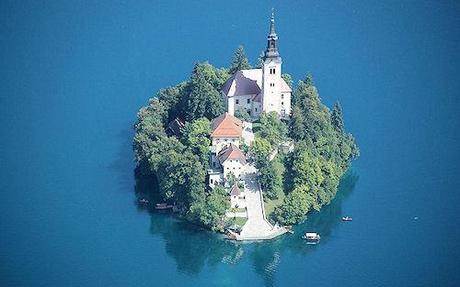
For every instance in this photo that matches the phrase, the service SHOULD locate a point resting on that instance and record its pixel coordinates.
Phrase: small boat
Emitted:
(162, 206)
(143, 201)
(347, 218)
(311, 237)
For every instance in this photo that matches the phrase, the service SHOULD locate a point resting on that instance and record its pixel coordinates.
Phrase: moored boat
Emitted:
(347, 218)
(161, 206)
(311, 237)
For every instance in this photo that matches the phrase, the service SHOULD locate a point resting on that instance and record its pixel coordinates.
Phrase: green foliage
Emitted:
(243, 115)
(196, 137)
(171, 98)
(210, 209)
(323, 152)
(270, 131)
(260, 60)
(204, 99)
(149, 128)
(239, 61)
(271, 128)
(261, 149)
(295, 207)
(178, 167)
(270, 177)
(337, 118)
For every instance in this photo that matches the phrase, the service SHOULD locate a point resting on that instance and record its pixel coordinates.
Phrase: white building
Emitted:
(260, 90)
(226, 157)
(226, 130)
(232, 160)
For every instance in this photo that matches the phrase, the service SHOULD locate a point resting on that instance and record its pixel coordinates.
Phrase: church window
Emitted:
(282, 96)
(249, 101)
(282, 103)
(237, 102)
(256, 109)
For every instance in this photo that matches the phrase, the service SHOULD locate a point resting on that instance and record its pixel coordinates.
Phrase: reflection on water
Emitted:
(192, 248)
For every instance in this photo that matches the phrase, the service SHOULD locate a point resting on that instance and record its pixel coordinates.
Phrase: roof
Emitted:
(226, 125)
(235, 191)
(231, 152)
(241, 84)
(258, 98)
(248, 82)
(176, 126)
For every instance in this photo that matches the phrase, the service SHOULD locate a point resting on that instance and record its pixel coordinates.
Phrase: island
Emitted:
(241, 150)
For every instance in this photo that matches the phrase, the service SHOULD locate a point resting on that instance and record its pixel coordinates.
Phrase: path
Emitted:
(257, 227)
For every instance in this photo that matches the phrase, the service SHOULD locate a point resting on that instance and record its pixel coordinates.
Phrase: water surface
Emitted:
(74, 74)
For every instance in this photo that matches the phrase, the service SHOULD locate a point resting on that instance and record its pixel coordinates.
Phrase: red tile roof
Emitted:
(231, 152)
(226, 125)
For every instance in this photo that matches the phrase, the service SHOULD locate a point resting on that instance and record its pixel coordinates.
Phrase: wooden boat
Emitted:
(162, 206)
(143, 201)
(311, 237)
(347, 218)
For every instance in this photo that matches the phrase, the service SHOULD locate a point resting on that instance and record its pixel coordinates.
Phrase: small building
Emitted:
(235, 193)
(215, 177)
(175, 127)
(226, 130)
(232, 160)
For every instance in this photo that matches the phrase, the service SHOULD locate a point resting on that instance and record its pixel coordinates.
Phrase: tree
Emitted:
(306, 169)
(337, 118)
(243, 115)
(271, 128)
(148, 128)
(239, 61)
(260, 60)
(295, 206)
(271, 178)
(261, 149)
(195, 135)
(210, 210)
(171, 98)
(204, 99)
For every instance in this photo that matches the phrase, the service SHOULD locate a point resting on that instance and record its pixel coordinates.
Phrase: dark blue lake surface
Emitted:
(74, 74)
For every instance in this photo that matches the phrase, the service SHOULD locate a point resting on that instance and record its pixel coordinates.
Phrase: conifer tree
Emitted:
(239, 61)
(337, 117)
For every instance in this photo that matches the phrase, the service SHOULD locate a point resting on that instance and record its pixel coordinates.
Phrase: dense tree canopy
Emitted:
(203, 99)
(323, 152)
(178, 163)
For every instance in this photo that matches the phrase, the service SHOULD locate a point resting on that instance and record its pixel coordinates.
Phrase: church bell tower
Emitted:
(271, 72)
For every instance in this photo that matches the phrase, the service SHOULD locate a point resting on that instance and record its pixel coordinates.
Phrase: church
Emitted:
(260, 90)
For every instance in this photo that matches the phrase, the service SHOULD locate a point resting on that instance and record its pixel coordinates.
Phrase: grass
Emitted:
(271, 204)
(240, 221)
(239, 209)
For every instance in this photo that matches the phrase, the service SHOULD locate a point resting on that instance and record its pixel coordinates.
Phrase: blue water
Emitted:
(74, 74)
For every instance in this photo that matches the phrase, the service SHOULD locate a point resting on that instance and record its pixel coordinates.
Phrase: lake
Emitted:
(75, 73)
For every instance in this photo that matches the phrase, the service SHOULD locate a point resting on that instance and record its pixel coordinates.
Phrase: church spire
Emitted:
(272, 23)
(272, 40)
